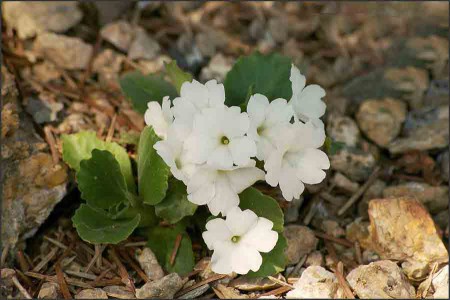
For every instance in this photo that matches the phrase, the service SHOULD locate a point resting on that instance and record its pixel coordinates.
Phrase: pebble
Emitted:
(245, 283)
(164, 288)
(439, 283)
(355, 163)
(343, 129)
(143, 46)
(300, 241)
(315, 258)
(342, 182)
(278, 29)
(196, 292)
(49, 290)
(435, 198)
(149, 263)
(373, 192)
(316, 283)
(31, 18)
(332, 228)
(381, 120)
(119, 33)
(66, 52)
(382, 279)
(402, 229)
(443, 159)
(119, 292)
(358, 231)
(217, 68)
(92, 294)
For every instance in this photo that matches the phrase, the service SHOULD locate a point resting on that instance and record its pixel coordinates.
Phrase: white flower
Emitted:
(266, 120)
(160, 118)
(238, 240)
(218, 138)
(194, 97)
(219, 189)
(171, 151)
(306, 101)
(296, 159)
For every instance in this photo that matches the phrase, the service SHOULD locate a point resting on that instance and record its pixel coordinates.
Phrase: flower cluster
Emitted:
(213, 149)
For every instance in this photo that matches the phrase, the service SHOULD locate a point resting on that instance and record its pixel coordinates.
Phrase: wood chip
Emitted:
(22, 290)
(339, 272)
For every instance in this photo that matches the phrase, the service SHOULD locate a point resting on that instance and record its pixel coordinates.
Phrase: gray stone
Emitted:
(119, 33)
(300, 241)
(118, 292)
(315, 258)
(278, 29)
(32, 184)
(355, 163)
(196, 292)
(343, 129)
(245, 283)
(164, 288)
(316, 283)
(143, 46)
(66, 52)
(217, 68)
(49, 290)
(91, 294)
(382, 279)
(148, 262)
(444, 165)
(435, 198)
(341, 181)
(31, 18)
(381, 120)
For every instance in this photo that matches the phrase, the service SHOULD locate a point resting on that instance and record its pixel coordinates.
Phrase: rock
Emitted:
(217, 68)
(411, 83)
(435, 198)
(440, 284)
(316, 282)
(249, 284)
(342, 182)
(441, 219)
(49, 290)
(358, 231)
(119, 33)
(7, 275)
(343, 129)
(143, 46)
(425, 129)
(108, 64)
(91, 294)
(291, 212)
(332, 228)
(401, 229)
(164, 288)
(148, 262)
(300, 241)
(118, 292)
(381, 120)
(43, 111)
(187, 54)
(196, 292)
(278, 29)
(355, 163)
(209, 41)
(315, 258)
(66, 52)
(46, 71)
(28, 19)
(382, 279)
(32, 184)
(109, 11)
(229, 292)
(444, 165)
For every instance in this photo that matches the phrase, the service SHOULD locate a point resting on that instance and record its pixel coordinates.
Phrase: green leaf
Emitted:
(100, 180)
(175, 206)
(153, 173)
(140, 89)
(262, 206)
(161, 241)
(79, 146)
(333, 147)
(147, 212)
(176, 75)
(273, 262)
(97, 227)
(269, 75)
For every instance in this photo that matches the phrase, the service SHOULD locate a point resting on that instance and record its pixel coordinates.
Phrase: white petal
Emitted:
(310, 165)
(166, 110)
(236, 123)
(309, 136)
(273, 167)
(199, 147)
(239, 222)
(242, 178)
(196, 93)
(225, 197)
(220, 158)
(216, 93)
(184, 111)
(202, 196)
(242, 148)
(221, 260)
(291, 187)
(245, 259)
(278, 112)
(217, 230)
(165, 151)
(256, 108)
(154, 117)
(298, 81)
(203, 176)
(261, 236)
(309, 102)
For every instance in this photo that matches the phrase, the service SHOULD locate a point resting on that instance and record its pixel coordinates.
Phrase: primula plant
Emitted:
(206, 145)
